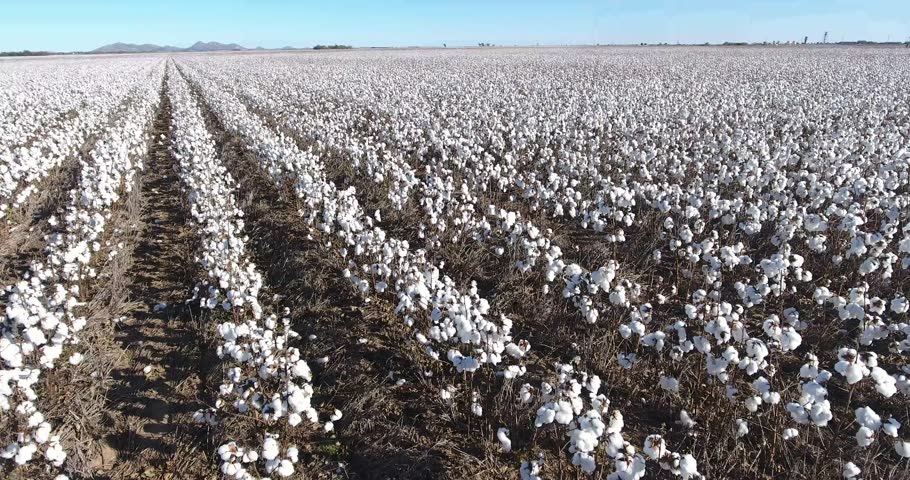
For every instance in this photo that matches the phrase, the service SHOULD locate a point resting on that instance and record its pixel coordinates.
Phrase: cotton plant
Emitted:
(750, 240)
(265, 375)
(42, 327)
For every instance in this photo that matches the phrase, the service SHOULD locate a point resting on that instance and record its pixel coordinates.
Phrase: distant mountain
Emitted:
(214, 47)
(133, 48)
(150, 48)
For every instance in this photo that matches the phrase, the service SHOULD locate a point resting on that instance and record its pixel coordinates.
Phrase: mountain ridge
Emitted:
(120, 47)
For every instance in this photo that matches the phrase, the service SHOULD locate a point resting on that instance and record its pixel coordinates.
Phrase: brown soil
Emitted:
(157, 385)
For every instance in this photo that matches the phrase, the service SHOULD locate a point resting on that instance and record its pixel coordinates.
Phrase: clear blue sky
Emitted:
(67, 25)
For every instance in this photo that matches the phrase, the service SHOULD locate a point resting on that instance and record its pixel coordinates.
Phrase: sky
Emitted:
(79, 25)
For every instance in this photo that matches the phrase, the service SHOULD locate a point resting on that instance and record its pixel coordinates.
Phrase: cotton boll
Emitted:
(867, 417)
(669, 384)
(902, 448)
(585, 461)
(530, 470)
(742, 428)
(503, 436)
(789, 433)
(655, 447)
(891, 427)
(850, 470)
(285, 468)
(900, 305)
(685, 420)
(864, 437)
(25, 453)
(270, 448)
(476, 408)
(688, 467)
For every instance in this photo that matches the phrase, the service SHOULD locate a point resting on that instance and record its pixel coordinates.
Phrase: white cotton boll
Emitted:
(43, 433)
(669, 384)
(864, 437)
(545, 415)
(854, 373)
(503, 436)
(329, 426)
(270, 448)
(685, 420)
(336, 415)
(525, 394)
(789, 433)
(790, 340)
(231, 469)
(691, 311)
(655, 447)
(891, 427)
(688, 467)
(742, 428)
(285, 468)
(564, 412)
(902, 448)
(851, 470)
(35, 419)
(293, 454)
(585, 461)
(25, 453)
(55, 454)
(885, 384)
(530, 470)
(867, 417)
(900, 304)
(227, 451)
(76, 358)
(752, 403)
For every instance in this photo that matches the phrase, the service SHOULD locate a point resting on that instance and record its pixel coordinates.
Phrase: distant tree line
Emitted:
(332, 47)
(26, 53)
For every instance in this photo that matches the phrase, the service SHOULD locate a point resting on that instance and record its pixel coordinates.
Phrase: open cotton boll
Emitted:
(76, 358)
(891, 427)
(685, 420)
(530, 470)
(742, 428)
(688, 467)
(902, 448)
(789, 433)
(503, 436)
(867, 417)
(864, 437)
(669, 384)
(285, 468)
(655, 447)
(270, 449)
(850, 470)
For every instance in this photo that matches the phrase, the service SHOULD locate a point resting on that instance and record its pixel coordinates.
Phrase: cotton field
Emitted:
(612, 263)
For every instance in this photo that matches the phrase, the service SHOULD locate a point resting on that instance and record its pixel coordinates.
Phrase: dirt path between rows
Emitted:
(158, 385)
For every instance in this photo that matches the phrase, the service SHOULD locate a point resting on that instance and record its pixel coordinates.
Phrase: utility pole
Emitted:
(805, 39)
(825, 38)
